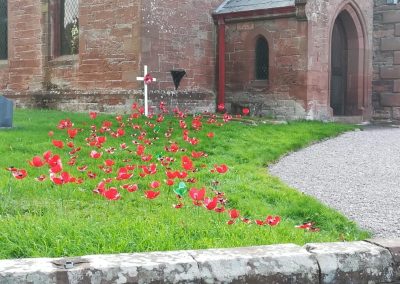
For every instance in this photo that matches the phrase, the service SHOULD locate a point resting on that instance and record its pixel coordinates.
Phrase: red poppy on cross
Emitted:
(147, 79)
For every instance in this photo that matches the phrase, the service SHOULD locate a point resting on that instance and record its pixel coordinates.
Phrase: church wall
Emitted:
(283, 95)
(101, 77)
(321, 15)
(386, 79)
(23, 70)
(180, 35)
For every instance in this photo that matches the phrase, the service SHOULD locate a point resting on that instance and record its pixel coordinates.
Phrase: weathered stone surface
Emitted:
(386, 59)
(157, 267)
(390, 43)
(393, 245)
(390, 100)
(355, 262)
(6, 112)
(265, 264)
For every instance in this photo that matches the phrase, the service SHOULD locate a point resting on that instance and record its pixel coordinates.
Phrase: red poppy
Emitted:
(169, 182)
(246, 220)
(95, 155)
(93, 114)
(221, 169)
(245, 111)
(149, 194)
(91, 175)
(63, 178)
(19, 173)
(234, 213)
(197, 194)
(82, 168)
(272, 220)
(149, 170)
(221, 107)
(65, 123)
(231, 222)
(196, 124)
(187, 163)
(155, 184)
(210, 134)
(304, 225)
(197, 154)
(211, 204)
(70, 144)
(123, 174)
(72, 132)
(101, 187)
(130, 187)
(148, 79)
(37, 162)
(58, 144)
(40, 178)
(56, 169)
(171, 175)
(178, 206)
(181, 175)
(310, 226)
(172, 148)
(140, 150)
(147, 158)
(219, 209)
(111, 194)
(260, 222)
(109, 163)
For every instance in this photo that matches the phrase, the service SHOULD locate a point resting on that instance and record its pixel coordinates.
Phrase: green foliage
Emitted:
(44, 220)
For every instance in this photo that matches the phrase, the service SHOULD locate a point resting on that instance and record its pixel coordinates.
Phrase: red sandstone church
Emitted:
(314, 59)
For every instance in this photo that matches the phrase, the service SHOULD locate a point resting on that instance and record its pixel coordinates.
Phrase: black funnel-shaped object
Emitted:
(177, 76)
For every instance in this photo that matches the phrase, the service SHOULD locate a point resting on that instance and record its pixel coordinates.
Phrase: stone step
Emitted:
(356, 119)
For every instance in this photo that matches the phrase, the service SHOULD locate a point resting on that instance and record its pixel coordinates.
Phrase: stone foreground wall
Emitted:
(386, 81)
(374, 261)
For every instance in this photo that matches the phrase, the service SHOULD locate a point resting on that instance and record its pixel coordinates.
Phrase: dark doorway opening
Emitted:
(339, 68)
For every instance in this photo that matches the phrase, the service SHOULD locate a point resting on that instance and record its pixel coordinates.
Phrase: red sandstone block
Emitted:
(391, 17)
(390, 72)
(390, 43)
(390, 100)
(397, 57)
(396, 86)
(397, 29)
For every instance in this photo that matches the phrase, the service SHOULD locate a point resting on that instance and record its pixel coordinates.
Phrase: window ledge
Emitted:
(260, 83)
(3, 64)
(64, 60)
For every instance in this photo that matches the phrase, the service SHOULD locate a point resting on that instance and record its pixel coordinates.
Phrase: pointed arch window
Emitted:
(3, 30)
(262, 59)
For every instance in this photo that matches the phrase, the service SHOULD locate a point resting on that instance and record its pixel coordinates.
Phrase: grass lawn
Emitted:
(43, 219)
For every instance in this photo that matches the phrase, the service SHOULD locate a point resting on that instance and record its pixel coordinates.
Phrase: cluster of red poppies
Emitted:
(142, 133)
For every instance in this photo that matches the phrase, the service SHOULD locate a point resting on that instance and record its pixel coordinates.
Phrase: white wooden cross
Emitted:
(146, 106)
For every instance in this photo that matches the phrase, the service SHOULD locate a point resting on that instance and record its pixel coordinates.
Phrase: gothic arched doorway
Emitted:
(347, 71)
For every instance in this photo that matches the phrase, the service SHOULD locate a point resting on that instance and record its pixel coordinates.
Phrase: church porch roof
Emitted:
(235, 6)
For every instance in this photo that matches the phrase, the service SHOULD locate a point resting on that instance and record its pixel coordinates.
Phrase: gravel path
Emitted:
(357, 173)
